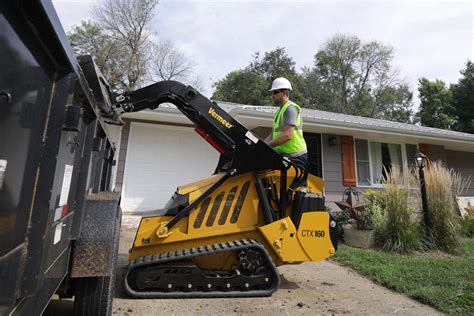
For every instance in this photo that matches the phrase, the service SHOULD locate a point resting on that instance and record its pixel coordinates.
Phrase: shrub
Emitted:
(395, 225)
(467, 226)
(357, 215)
(375, 209)
(442, 185)
(341, 219)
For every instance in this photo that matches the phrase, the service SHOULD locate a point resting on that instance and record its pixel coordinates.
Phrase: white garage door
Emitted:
(159, 159)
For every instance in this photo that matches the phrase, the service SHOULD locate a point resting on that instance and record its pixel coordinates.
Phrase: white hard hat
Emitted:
(280, 83)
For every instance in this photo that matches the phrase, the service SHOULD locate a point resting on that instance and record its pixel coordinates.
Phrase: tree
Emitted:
(241, 86)
(353, 77)
(127, 22)
(273, 64)
(168, 63)
(251, 84)
(348, 76)
(335, 64)
(463, 100)
(110, 57)
(400, 99)
(121, 42)
(435, 99)
(319, 93)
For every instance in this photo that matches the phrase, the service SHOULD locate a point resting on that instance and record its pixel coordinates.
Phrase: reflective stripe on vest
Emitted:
(297, 142)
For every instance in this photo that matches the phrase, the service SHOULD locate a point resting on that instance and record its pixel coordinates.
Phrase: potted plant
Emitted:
(359, 229)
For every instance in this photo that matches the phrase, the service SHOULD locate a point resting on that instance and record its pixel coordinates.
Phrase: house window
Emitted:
(362, 162)
(375, 159)
(383, 157)
(411, 151)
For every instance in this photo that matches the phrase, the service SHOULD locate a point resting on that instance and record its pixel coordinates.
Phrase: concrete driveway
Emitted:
(309, 288)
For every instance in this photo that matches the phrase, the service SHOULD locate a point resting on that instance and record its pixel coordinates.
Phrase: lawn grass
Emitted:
(444, 281)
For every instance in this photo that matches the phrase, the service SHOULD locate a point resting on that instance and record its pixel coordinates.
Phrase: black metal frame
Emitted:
(239, 151)
(36, 265)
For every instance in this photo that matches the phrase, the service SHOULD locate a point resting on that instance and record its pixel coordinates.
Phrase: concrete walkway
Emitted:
(311, 288)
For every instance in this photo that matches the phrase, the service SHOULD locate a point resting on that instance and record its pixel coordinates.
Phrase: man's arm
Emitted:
(285, 136)
(289, 125)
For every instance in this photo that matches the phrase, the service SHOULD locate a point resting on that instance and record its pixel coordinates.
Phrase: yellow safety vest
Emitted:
(297, 142)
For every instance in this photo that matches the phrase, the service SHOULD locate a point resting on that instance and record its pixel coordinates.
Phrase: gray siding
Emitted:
(332, 169)
(463, 163)
(332, 166)
(122, 156)
(438, 153)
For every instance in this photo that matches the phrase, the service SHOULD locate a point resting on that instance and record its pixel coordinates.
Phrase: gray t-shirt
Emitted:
(290, 116)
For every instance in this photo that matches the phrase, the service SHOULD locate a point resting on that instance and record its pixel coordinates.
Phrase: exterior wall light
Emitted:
(420, 160)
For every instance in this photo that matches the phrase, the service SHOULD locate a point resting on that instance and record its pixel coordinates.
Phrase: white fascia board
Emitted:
(252, 119)
(259, 118)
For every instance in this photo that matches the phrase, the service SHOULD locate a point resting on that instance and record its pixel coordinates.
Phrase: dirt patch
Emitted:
(306, 289)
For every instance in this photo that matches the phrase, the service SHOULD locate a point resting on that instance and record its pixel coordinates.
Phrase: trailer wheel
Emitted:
(94, 296)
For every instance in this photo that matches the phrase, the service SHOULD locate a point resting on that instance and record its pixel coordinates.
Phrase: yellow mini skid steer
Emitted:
(225, 235)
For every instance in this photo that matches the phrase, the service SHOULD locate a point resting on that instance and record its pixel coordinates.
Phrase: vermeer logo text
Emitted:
(219, 118)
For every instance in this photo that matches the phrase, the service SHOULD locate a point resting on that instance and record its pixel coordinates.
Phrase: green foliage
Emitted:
(119, 39)
(442, 185)
(341, 218)
(395, 226)
(348, 76)
(251, 84)
(393, 103)
(359, 217)
(374, 211)
(356, 77)
(463, 100)
(393, 213)
(88, 38)
(242, 86)
(435, 103)
(448, 108)
(467, 226)
(273, 64)
(445, 282)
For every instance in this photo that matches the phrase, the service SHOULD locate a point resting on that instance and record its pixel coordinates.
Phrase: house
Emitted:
(159, 150)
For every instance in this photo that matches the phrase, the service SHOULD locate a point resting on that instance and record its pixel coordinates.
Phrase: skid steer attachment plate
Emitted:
(281, 235)
(313, 234)
(312, 241)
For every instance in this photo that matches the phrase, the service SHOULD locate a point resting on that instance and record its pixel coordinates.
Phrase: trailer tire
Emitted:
(94, 295)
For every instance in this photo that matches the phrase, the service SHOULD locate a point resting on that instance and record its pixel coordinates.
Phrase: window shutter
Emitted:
(425, 149)
(348, 163)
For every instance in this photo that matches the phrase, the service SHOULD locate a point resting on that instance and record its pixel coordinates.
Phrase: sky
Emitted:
(431, 39)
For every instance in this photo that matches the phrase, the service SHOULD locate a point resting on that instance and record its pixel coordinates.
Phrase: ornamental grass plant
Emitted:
(395, 222)
(467, 226)
(442, 186)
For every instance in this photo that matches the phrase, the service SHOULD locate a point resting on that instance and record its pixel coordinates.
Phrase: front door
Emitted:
(313, 142)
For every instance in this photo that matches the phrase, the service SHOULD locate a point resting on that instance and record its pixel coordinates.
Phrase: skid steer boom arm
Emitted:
(239, 148)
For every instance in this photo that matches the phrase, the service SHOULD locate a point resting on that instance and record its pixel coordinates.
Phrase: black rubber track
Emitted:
(179, 255)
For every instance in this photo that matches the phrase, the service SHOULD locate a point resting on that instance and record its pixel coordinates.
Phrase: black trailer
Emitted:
(59, 222)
